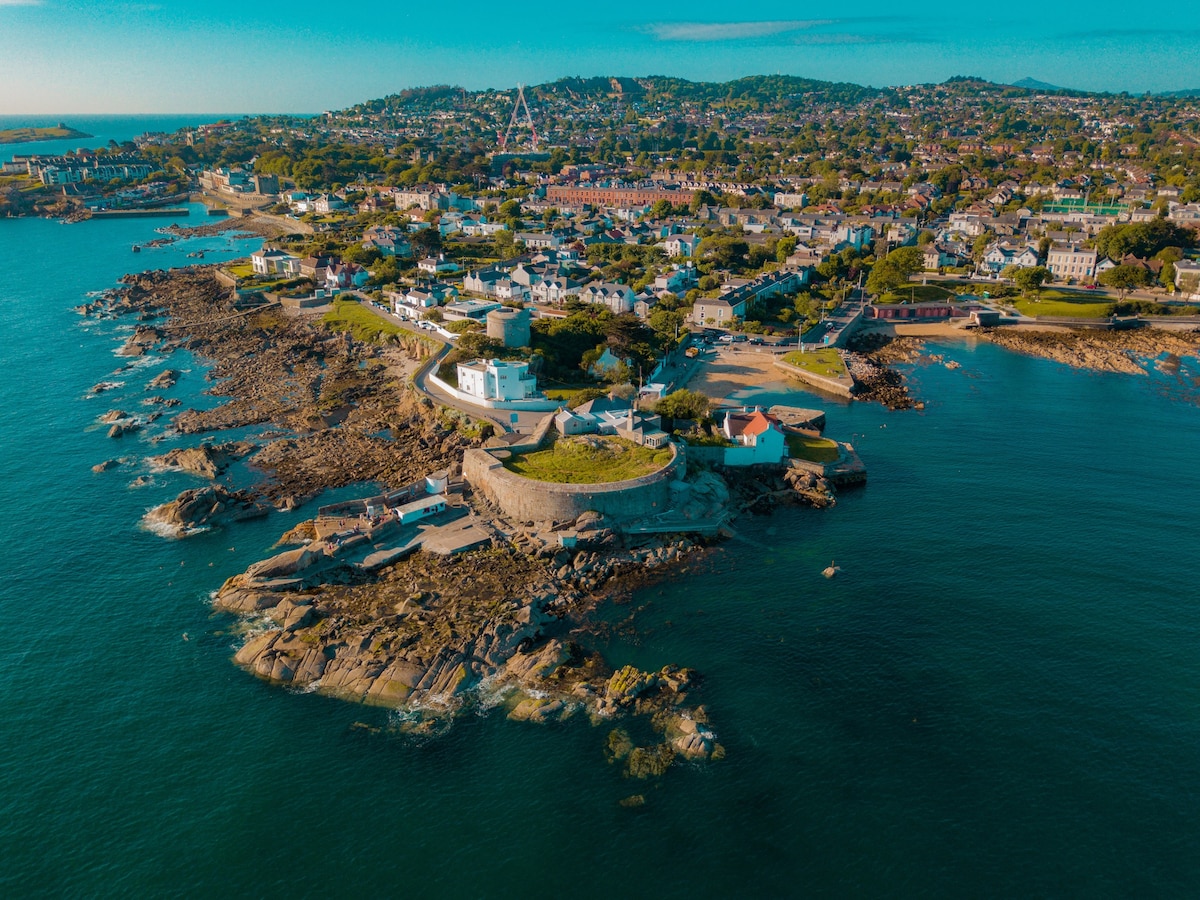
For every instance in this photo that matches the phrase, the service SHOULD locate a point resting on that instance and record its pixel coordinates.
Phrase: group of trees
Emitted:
(894, 270)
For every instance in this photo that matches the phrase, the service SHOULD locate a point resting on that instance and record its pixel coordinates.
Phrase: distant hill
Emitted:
(1032, 84)
(1191, 92)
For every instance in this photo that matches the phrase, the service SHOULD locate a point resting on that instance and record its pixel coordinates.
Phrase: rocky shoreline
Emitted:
(506, 622)
(1127, 351)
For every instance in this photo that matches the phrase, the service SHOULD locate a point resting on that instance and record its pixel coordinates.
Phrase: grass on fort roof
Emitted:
(822, 361)
(589, 459)
(363, 325)
(812, 447)
(1064, 303)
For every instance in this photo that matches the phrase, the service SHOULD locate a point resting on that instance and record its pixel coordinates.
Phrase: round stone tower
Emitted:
(509, 326)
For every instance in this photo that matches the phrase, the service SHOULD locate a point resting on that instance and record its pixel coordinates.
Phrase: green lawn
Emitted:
(813, 448)
(363, 325)
(1065, 303)
(824, 361)
(589, 460)
(241, 270)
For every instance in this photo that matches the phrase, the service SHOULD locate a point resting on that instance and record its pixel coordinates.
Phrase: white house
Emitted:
(437, 266)
(681, 245)
(1001, 256)
(617, 297)
(554, 290)
(274, 262)
(1071, 262)
(497, 379)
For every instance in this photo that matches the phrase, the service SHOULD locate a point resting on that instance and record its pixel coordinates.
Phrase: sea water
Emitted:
(999, 694)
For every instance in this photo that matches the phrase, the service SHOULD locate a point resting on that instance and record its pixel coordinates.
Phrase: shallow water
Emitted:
(1000, 693)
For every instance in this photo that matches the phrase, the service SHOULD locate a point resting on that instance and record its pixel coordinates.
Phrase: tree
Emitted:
(428, 240)
(1030, 280)
(684, 404)
(1124, 279)
(701, 198)
(908, 260)
(1166, 277)
(785, 248)
(885, 277)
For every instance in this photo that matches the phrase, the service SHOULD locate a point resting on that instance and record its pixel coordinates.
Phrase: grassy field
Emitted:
(824, 361)
(589, 460)
(363, 325)
(1064, 303)
(241, 270)
(813, 448)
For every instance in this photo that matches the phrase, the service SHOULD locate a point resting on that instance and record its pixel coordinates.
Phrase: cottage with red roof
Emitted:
(758, 435)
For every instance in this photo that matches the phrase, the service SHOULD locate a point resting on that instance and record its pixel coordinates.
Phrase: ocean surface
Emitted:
(999, 695)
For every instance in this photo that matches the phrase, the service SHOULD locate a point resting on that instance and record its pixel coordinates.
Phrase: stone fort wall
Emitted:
(527, 500)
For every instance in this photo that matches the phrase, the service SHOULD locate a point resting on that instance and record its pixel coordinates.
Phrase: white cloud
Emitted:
(729, 31)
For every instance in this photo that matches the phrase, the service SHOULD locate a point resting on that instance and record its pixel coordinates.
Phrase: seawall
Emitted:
(841, 387)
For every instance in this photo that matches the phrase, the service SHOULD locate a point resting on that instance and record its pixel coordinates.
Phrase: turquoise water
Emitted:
(1000, 695)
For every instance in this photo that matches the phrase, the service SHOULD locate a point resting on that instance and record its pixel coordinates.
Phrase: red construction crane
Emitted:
(512, 121)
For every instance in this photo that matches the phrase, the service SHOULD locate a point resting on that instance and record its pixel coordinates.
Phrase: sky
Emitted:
(257, 56)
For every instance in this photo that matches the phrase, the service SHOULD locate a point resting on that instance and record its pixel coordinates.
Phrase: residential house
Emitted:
(721, 311)
(327, 203)
(388, 240)
(536, 240)
(759, 436)
(681, 245)
(1000, 256)
(555, 290)
(1071, 262)
(314, 266)
(438, 266)
(344, 276)
(617, 297)
(474, 310)
(270, 261)
(496, 379)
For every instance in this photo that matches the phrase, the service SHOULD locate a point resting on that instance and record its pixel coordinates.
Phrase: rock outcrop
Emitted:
(206, 461)
(203, 508)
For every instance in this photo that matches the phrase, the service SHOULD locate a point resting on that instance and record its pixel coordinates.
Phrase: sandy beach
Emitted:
(724, 372)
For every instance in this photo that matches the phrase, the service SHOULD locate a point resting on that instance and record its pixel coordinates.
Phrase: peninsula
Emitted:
(30, 135)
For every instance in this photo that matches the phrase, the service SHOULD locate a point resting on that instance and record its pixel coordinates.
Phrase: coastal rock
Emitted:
(627, 683)
(206, 461)
(203, 507)
(113, 415)
(541, 710)
(120, 429)
(164, 379)
(284, 564)
(106, 465)
(143, 338)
